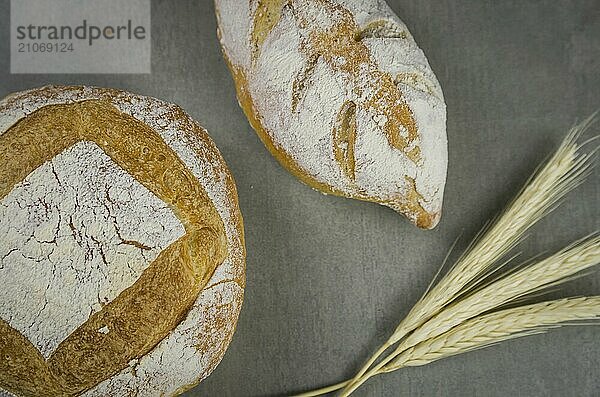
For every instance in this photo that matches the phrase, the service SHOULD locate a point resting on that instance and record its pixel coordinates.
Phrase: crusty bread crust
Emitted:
(312, 86)
(188, 298)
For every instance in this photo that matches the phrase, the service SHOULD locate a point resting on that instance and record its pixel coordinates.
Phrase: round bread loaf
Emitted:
(342, 96)
(121, 246)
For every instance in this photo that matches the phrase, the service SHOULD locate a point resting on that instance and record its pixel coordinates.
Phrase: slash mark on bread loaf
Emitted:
(301, 81)
(267, 15)
(344, 139)
(416, 81)
(142, 315)
(382, 30)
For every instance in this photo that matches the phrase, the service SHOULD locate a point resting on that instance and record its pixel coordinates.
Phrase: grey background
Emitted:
(328, 278)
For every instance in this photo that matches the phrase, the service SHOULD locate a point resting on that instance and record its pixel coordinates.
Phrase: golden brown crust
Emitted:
(144, 314)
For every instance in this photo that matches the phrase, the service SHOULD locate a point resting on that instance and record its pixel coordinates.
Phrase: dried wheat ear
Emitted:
(467, 308)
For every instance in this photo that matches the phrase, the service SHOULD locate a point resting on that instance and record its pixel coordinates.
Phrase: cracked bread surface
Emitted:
(122, 245)
(342, 96)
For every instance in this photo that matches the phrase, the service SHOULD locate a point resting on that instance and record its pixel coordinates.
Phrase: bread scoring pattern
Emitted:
(342, 96)
(338, 41)
(129, 327)
(81, 231)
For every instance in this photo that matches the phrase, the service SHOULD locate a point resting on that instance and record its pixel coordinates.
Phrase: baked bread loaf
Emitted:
(341, 95)
(121, 246)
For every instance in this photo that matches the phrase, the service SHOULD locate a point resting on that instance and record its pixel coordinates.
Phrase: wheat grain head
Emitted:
(496, 327)
(564, 171)
(550, 271)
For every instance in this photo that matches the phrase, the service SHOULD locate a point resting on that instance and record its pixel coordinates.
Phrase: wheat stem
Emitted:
(373, 358)
(563, 172)
(356, 383)
(450, 318)
(324, 390)
(490, 329)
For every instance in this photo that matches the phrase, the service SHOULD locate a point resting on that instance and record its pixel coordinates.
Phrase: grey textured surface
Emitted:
(328, 278)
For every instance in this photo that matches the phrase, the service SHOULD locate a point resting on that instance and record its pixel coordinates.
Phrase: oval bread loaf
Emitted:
(341, 95)
(121, 246)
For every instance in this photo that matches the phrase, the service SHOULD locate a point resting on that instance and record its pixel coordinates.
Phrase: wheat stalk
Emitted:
(564, 171)
(488, 330)
(548, 272)
(462, 293)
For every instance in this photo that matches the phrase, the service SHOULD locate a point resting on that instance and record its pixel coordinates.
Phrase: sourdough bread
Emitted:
(121, 245)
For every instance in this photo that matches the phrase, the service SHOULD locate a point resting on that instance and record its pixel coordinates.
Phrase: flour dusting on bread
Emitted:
(299, 65)
(129, 226)
(56, 274)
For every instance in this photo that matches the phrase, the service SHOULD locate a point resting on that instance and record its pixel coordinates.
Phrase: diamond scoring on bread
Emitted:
(298, 64)
(97, 230)
(212, 246)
